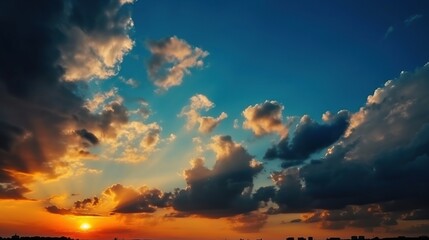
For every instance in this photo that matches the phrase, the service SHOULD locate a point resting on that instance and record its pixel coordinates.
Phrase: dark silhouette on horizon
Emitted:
(16, 237)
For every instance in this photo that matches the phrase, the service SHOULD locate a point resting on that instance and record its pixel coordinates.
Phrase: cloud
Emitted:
(265, 118)
(133, 142)
(87, 136)
(418, 228)
(171, 138)
(412, 19)
(367, 217)
(310, 137)
(130, 82)
(96, 40)
(192, 113)
(289, 196)
(12, 189)
(389, 31)
(143, 200)
(381, 159)
(224, 190)
(248, 222)
(84, 207)
(100, 100)
(417, 214)
(86, 202)
(171, 59)
(63, 42)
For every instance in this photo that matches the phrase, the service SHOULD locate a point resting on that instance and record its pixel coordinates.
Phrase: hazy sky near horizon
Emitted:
(214, 119)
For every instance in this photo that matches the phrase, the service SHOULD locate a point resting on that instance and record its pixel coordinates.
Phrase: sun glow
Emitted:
(85, 226)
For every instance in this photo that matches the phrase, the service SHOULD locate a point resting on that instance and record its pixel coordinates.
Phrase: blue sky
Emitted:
(307, 55)
(312, 57)
(215, 112)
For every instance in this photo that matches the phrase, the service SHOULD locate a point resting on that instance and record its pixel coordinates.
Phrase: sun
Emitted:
(85, 226)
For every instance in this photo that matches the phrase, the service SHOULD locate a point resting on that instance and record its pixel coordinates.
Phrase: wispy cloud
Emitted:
(412, 19)
(388, 32)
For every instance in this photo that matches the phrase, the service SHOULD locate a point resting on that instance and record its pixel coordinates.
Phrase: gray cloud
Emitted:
(224, 190)
(80, 208)
(88, 136)
(143, 200)
(310, 137)
(382, 159)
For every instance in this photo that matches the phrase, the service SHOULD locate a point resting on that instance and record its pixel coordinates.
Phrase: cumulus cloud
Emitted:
(64, 42)
(382, 160)
(96, 40)
(171, 59)
(265, 118)
(133, 142)
(310, 137)
(192, 112)
(225, 190)
(143, 200)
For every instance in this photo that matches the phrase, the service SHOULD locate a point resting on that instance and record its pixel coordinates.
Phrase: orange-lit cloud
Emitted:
(265, 118)
(179, 54)
(192, 113)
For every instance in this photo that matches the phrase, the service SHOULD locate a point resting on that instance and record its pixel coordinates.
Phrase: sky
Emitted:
(157, 119)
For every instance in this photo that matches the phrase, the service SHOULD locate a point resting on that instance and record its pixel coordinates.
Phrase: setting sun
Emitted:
(85, 226)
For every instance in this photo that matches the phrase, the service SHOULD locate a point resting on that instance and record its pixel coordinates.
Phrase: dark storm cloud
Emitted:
(382, 159)
(143, 200)
(224, 190)
(41, 41)
(310, 137)
(9, 134)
